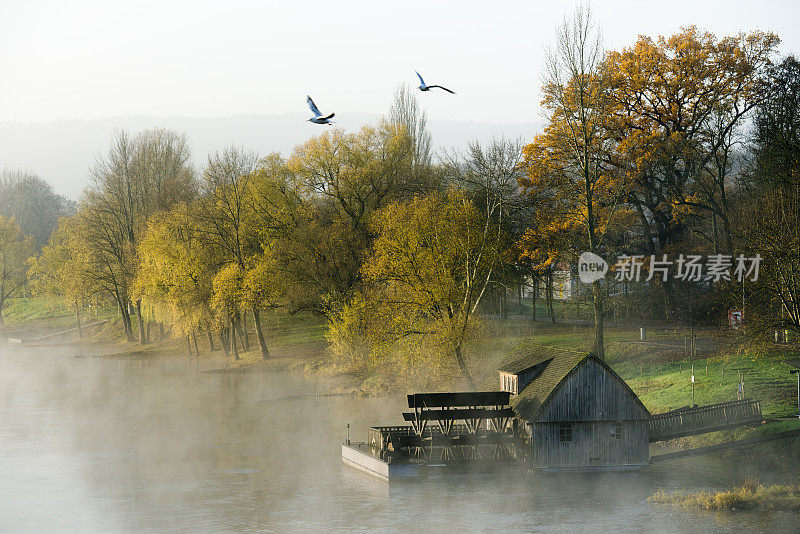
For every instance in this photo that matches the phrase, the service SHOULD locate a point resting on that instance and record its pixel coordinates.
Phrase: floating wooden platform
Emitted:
(358, 456)
(364, 458)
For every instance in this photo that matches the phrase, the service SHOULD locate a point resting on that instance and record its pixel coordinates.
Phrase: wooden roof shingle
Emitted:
(530, 400)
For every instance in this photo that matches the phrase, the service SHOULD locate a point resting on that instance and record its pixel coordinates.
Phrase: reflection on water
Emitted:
(91, 444)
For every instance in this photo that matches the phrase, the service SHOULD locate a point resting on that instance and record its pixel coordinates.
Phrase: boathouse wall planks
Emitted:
(580, 413)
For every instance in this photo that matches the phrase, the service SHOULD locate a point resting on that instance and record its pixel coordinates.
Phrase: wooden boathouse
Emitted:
(555, 409)
(574, 411)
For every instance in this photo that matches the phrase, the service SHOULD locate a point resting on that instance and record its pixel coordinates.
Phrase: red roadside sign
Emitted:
(735, 319)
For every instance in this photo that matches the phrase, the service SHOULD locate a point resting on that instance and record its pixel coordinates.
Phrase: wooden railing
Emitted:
(702, 419)
(380, 437)
(475, 409)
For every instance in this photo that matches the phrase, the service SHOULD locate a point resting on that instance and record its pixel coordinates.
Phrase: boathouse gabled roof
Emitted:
(557, 364)
(523, 360)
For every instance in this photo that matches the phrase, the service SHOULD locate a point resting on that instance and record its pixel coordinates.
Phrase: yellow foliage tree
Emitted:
(175, 271)
(428, 268)
(61, 269)
(15, 249)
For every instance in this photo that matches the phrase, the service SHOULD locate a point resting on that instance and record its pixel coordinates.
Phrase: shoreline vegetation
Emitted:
(750, 496)
(659, 370)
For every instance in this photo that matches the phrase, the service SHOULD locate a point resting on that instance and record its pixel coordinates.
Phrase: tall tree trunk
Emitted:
(147, 332)
(142, 339)
(188, 346)
(126, 319)
(519, 298)
(237, 329)
(597, 293)
(260, 333)
(122, 316)
(245, 335)
(234, 348)
(211, 347)
(464, 370)
(503, 302)
(78, 319)
(223, 340)
(550, 296)
(726, 226)
(714, 234)
(534, 294)
(194, 341)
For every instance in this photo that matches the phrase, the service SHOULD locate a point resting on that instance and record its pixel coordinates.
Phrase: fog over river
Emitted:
(151, 444)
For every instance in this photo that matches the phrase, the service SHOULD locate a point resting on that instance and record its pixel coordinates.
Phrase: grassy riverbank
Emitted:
(659, 370)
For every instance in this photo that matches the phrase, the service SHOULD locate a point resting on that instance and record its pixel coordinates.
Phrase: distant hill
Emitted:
(62, 151)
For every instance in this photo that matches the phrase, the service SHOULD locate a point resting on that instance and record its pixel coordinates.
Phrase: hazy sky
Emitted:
(89, 59)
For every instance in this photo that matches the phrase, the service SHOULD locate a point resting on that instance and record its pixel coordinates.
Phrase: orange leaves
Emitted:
(673, 85)
(638, 134)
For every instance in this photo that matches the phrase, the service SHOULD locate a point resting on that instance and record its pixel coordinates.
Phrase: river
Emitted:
(141, 444)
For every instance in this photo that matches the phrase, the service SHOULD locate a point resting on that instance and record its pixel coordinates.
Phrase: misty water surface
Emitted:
(102, 444)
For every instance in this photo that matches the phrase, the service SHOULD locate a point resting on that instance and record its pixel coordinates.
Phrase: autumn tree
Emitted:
(15, 249)
(341, 180)
(225, 219)
(678, 106)
(275, 213)
(176, 270)
(429, 265)
(60, 270)
(137, 178)
(567, 167)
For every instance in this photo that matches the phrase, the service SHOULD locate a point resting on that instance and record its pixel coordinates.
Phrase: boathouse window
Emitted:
(565, 432)
(616, 431)
(508, 383)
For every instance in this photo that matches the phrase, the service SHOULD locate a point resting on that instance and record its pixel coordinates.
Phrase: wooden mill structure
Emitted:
(451, 428)
(556, 409)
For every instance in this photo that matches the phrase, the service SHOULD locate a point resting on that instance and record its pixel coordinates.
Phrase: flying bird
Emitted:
(425, 87)
(318, 118)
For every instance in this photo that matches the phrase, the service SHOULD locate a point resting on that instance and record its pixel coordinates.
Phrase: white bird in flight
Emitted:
(318, 118)
(425, 87)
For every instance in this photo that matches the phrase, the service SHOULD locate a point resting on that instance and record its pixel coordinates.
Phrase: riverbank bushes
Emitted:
(748, 496)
